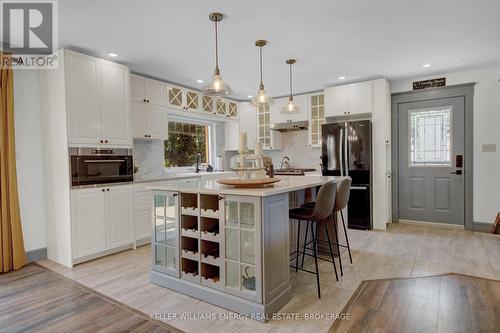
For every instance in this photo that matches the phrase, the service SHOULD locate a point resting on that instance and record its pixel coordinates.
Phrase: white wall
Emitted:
(29, 157)
(486, 131)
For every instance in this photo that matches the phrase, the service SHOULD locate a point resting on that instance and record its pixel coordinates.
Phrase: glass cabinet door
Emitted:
(175, 96)
(233, 110)
(317, 119)
(242, 246)
(221, 107)
(207, 104)
(166, 232)
(192, 100)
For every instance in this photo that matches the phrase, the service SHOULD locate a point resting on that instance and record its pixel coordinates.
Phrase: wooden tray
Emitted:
(250, 183)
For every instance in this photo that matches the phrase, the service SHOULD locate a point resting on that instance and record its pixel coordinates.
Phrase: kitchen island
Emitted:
(227, 246)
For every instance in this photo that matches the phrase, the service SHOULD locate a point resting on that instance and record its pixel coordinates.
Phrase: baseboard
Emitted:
(435, 224)
(36, 255)
(481, 226)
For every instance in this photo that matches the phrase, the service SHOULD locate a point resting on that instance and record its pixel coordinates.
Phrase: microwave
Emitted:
(97, 166)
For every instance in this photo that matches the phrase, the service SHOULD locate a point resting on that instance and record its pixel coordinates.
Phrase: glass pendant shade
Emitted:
(290, 107)
(262, 99)
(217, 87)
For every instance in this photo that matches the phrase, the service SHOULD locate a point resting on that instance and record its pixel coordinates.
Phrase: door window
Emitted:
(430, 137)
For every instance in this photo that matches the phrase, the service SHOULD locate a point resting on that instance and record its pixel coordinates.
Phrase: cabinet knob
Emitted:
(174, 195)
(107, 189)
(148, 100)
(103, 190)
(144, 100)
(102, 141)
(145, 135)
(105, 141)
(221, 197)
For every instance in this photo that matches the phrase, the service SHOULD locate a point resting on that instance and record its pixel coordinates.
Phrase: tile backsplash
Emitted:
(296, 147)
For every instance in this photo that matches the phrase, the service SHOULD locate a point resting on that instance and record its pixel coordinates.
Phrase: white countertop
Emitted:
(176, 176)
(287, 184)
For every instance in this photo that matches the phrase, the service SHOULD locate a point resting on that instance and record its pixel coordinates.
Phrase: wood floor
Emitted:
(449, 303)
(404, 251)
(36, 299)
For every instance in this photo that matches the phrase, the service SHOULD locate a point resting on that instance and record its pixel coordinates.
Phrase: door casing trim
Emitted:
(462, 90)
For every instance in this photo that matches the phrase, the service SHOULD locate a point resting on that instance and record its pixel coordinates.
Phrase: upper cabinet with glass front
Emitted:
(269, 139)
(316, 119)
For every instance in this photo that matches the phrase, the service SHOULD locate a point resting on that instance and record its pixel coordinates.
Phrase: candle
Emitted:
(258, 148)
(243, 142)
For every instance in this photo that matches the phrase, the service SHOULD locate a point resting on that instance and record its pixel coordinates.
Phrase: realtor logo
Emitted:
(29, 27)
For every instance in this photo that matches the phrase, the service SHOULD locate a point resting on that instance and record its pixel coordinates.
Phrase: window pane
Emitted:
(185, 141)
(430, 137)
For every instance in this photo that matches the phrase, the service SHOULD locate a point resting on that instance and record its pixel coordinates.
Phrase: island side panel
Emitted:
(275, 246)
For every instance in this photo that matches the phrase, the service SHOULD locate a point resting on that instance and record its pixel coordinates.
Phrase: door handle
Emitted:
(457, 172)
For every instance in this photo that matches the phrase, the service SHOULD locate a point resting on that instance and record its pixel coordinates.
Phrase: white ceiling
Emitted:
(173, 40)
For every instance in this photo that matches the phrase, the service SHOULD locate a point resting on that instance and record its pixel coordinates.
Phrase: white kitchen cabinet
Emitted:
(360, 97)
(88, 220)
(278, 117)
(101, 220)
(233, 110)
(351, 99)
(316, 119)
(248, 123)
(119, 205)
(156, 123)
(115, 103)
(143, 225)
(232, 135)
(97, 101)
(149, 121)
(180, 98)
(221, 107)
(148, 90)
(83, 99)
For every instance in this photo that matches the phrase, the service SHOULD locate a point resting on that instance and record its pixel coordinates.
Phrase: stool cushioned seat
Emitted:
(301, 213)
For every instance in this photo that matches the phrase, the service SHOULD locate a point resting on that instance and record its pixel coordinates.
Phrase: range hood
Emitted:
(289, 126)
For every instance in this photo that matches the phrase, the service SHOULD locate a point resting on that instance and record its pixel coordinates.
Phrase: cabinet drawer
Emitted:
(143, 201)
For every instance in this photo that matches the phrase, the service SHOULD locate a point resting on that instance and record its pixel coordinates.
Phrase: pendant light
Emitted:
(261, 99)
(217, 87)
(291, 107)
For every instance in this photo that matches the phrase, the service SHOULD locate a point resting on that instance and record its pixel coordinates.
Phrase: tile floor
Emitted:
(403, 251)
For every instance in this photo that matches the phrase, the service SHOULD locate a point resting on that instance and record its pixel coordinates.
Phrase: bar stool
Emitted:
(341, 201)
(321, 211)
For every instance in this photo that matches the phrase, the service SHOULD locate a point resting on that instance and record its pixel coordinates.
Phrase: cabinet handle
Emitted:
(144, 100)
(174, 195)
(107, 189)
(102, 141)
(145, 135)
(221, 197)
(105, 141)
(103, 190)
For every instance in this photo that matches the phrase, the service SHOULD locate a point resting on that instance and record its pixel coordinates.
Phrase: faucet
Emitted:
(198, 161)
(285, 162)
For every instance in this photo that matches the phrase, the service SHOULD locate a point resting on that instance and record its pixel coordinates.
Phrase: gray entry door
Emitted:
(431, 148)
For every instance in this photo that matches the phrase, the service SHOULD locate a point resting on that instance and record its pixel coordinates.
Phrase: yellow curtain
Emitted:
(12, 255)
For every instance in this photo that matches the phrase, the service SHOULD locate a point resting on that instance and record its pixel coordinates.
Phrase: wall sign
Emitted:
(433, 83)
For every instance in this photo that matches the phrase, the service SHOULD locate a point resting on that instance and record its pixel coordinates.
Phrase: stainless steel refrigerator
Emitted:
(346, 151)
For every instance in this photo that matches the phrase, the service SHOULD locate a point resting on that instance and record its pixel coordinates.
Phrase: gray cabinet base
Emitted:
(260, 312)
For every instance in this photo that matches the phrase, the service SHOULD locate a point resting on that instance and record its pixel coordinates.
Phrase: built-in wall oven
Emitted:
(96, 166)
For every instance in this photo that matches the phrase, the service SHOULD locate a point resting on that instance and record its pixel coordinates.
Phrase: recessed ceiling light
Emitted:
(114, 55)
(342, 77)
(249, 96)
(199, 81)
(426, 65)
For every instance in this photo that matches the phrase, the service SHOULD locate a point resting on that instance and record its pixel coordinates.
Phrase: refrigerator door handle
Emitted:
(346, 152)
(359, 187)
(341, 155)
